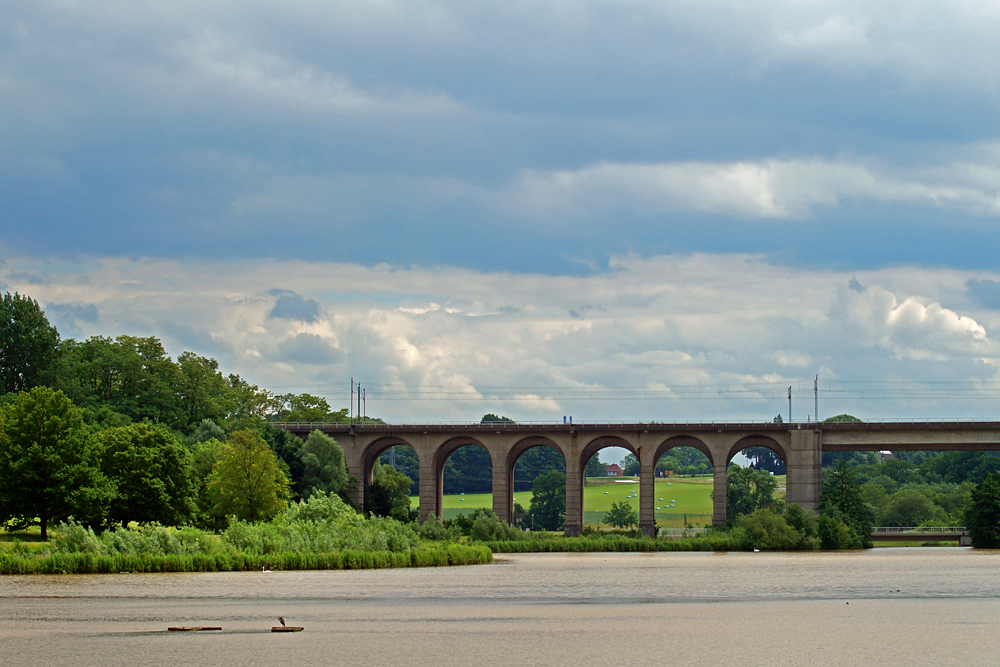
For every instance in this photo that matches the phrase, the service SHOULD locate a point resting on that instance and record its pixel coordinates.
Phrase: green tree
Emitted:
(548, 501)
(48, 471)
(249, 404)
(764, 458)
(595, 468)
(748, 490)
(622, 515)
(28, 344)
(983, 516)
(535, 462)
(630, 465)
(682, 461)
(841, 501)
(910, 507)
(307, 408)
(207, 430)
(388, 493)
(404, 459)
(286, 446)
(130, 375)
(201, 391)
(324, 467)
(204, 455)
(152, 474)
(490, 418)
(246, 480)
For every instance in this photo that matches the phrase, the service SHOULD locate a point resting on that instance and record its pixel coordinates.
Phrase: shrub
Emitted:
(72, 537)
(835, 534)
(767, 530)
(320, 506)
(487, 527)
(436, 530)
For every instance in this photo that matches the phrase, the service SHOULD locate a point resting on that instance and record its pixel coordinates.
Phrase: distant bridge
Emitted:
(800, 446)
(958, 534)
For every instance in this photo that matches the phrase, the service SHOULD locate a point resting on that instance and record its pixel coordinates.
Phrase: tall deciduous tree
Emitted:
(324, 467)
(548, 501)
(204, 455)
(131, 375)
(307, 408)
(748, 490)
(152, 474)
(247, 481)
(27, 343)
(841, 500)
(983, 516)
(202, 392)
(47, 467)
(387, 495)
(594, 467)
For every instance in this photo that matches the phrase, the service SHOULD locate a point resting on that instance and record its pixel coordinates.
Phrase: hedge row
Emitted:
(89, 563)
(613, 543)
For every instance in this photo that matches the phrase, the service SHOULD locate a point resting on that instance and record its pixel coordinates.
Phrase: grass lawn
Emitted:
(689, 496)
(33, 534)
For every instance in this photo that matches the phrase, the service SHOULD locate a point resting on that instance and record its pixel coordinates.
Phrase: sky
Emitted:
(614, 211)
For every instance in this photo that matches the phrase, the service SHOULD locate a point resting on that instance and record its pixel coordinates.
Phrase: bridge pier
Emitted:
(719, 494)
(574, 494)
(503, 505)
(647, 493)
(804, 468)
(430, 491)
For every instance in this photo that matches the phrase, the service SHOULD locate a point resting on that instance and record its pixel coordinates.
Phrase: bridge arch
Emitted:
(756, 440)
(371, 453)
(574, 492)
(682, 441)
(441, 454)
(513, 454)
(375, 448)
(720, 486)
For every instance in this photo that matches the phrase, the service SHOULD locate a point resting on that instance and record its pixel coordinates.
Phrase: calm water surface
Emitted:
(886, 606)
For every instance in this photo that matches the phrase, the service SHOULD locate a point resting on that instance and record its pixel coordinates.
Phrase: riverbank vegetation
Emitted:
(321, 533)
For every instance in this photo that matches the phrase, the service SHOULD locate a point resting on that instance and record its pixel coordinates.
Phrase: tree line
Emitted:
(113, 430)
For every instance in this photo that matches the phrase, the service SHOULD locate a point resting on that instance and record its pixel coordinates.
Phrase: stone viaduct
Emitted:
(800, 446)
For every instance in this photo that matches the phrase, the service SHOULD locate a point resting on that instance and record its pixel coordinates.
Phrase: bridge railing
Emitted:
(917, 530)
(721, 422)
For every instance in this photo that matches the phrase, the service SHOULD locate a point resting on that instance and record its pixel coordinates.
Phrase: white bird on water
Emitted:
(264, 570)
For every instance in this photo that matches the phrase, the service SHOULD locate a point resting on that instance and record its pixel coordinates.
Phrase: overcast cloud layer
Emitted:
(682, 337)
(520, 198)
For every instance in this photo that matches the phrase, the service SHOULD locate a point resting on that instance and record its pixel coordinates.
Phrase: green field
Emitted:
(690, 496)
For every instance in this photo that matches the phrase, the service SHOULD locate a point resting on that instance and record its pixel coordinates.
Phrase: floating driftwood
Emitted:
(285, 628)
(196, 628)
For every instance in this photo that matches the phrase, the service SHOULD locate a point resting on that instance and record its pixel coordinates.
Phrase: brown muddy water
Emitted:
(914, 606)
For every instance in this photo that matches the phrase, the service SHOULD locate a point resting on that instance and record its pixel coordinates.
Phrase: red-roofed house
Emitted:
(613, 469)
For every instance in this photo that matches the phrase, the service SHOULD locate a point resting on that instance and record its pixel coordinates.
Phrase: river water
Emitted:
(935, 606)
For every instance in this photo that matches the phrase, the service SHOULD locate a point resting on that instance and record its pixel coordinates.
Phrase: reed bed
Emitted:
(96, 563)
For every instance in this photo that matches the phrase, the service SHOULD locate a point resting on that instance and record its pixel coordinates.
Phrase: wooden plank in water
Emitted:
(198, 628)
(285, 628)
